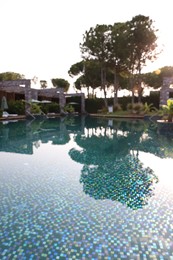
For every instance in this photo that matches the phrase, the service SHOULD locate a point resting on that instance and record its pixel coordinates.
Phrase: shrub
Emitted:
(93, 105)
(16, 107)
(117, 107)
(135, 108)
(50, 108)
(69, 108)
(35, 109)
(138, 108)
(129, 107)
(148, 108)
(168, 110)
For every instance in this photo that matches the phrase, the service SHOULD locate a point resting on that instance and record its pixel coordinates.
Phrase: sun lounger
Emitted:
(6, 114)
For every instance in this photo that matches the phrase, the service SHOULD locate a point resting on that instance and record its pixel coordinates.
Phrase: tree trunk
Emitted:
(115, 88)
(131, 87)
(140, 89)
(103, 85)
(88, 94)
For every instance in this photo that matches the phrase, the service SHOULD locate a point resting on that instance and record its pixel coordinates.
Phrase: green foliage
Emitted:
(170, 104)
(104, 110)
(129, 107)
(168, 110)
(135, 108)
(61, 83)
(90, 75)
(35, 109)
(95, 47)
(117, 107)
(16, 107)
(120, 52)
(166, 71)
(142, 42)
(53, 107)
(10, 76)
(148, 108)
(93, 105)
(50, 108)
(76, 69)
(140, 108)
(80, 82)
(94, 44)
(155, 79)
(123, 101)
(69, 108)
(43, 83)
(154, 99)
(152, 79)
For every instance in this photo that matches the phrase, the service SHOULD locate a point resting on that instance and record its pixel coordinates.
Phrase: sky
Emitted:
(40, 38)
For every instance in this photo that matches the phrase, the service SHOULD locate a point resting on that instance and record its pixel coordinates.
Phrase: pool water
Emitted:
(85, 188)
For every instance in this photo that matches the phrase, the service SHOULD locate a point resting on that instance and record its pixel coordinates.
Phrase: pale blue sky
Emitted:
(41, 37)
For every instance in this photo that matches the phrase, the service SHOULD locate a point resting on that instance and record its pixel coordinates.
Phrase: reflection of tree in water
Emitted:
(62, 137)
(103, 147)
(110, 169)
(124, 180)
(156, 144)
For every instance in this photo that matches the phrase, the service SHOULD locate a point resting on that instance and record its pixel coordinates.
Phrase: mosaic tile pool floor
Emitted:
(85, 190)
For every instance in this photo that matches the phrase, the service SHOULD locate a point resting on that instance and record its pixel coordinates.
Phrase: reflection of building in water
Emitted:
(120, 137)
(23, 136)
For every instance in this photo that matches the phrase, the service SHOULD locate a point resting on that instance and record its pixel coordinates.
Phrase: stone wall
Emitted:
(165, 90)
(24, 87)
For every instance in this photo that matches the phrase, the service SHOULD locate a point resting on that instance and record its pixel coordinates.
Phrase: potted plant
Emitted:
(165, 125)
(168, 110)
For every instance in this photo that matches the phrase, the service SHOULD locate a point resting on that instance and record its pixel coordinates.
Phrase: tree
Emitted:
(80, 82)
(117, 48)
(43, 83)
(122, 50)
(142, 47)
(76, 69)
(166, 71)
(94, 47)
(155, 79)
(61, 83)
(89, 74)
(11, 76)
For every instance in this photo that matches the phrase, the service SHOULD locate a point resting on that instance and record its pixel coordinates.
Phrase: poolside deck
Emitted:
(19, 117)
(119, 116)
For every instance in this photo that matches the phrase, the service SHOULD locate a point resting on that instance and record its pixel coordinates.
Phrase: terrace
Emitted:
(21, 89)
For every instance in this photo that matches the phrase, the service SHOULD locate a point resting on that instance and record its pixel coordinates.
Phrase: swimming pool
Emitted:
(85, 188)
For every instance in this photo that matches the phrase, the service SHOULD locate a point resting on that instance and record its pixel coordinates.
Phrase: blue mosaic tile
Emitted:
(111, 207)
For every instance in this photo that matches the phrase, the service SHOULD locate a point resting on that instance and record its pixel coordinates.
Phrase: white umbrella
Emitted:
(73, 103)
(35, 101)
(4, 104)
(45, 101)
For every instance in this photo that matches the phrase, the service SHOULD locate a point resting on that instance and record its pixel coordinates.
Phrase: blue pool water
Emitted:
(85, 188)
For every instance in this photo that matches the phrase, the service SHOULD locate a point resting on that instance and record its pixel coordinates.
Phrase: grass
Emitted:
(126, 113)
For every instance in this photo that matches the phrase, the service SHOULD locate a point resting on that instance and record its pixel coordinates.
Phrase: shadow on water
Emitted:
(107, 149)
